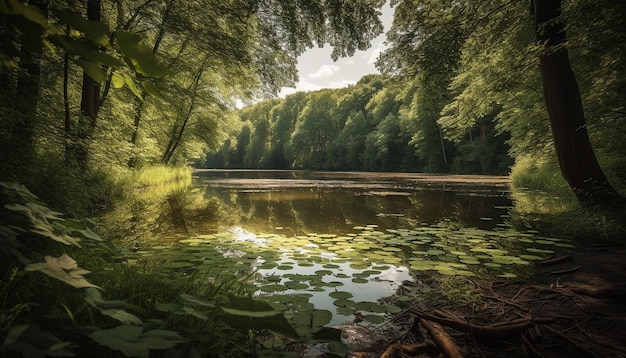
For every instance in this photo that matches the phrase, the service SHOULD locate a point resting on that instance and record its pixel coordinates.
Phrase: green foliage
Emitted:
(376, 125)
(164, 309)
(62, 268)
(133, 341)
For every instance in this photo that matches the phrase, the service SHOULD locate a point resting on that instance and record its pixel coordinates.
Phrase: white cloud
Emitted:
(324, 71)
(374, 54)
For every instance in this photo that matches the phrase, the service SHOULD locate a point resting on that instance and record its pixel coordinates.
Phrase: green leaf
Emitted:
(131, 85)
(32, 14)
(78, 22)
(180, 310)
(277, 324)
(139, 55)
(117, 80)
(133, 341)
(29, 340)
(326, 334)
(123, 316)
(247, 313)
(248, 307)
(196, 300)
(77, 226)
(94, 299)
(63, 268)
(92, 70)
(151, 89)
(47, 230)
(320, 317)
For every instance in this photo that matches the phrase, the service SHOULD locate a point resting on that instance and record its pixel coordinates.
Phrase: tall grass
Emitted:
(544, 201)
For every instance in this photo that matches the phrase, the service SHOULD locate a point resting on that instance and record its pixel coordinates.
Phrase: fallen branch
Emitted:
(572, 342)
(555, 260)
(530, 348)
(569, 270)
(443, 339)
(482, 332)
(427, 346)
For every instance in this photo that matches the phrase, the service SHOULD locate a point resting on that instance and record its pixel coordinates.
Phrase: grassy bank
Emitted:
(544, 202)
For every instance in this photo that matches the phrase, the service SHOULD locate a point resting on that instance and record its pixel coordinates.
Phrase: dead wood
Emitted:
(395, 349)
(564, 271)
(555, 260)
(443, 339)
(486, 333)
(531, 349)
(573, 343)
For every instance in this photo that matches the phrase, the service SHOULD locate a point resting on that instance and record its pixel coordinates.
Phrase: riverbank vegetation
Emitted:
(104, 105)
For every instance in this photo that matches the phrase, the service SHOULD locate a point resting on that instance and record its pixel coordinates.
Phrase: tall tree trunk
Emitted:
(66, 106)
(577, 160)
(90, 101)
(27, 99)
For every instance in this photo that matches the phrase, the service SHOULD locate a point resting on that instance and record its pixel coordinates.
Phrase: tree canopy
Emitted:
(467, 87)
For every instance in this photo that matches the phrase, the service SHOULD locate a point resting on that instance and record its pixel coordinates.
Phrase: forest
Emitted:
(108, 106)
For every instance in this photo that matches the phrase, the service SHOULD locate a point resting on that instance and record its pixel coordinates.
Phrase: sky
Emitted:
(317, 70)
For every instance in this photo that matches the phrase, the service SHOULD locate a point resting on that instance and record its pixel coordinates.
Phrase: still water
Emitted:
(347, 242)
(301, 202)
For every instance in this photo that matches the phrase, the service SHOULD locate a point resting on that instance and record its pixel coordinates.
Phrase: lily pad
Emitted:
(343, 303)
(340, 294)
(273, 288)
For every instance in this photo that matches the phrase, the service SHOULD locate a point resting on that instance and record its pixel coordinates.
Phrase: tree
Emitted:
(314, 131)
(25, 48)
(577, 159)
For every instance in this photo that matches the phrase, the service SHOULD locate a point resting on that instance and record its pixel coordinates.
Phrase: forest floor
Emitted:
(574, 308)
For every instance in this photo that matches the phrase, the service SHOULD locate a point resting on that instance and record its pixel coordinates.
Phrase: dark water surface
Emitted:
(300, 202)
(346, 242)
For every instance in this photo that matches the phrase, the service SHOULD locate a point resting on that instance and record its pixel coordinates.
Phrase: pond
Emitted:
(344, 242)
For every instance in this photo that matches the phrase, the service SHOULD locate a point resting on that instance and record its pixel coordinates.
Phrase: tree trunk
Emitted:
(177, 132)
(140, 104)
(28, 91)
(577, 160)
(67, 124)
(90, 100)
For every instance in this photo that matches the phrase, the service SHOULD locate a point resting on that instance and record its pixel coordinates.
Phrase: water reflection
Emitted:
(327, 273)
(299, 202)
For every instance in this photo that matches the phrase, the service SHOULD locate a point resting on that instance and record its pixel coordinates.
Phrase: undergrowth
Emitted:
(544, 202)
(66, 291)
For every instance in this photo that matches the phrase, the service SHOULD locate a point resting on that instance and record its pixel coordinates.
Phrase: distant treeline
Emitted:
(369, 126)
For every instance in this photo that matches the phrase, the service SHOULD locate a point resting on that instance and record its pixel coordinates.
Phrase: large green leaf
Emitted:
(117, 80)
(63, 268)
(248, 307)
(134, 342)
(151, 89)
(92, 70)
(277, 324)
(48, 231)
(85, 49)
(28, 340)
(139, 55)
(78, 22)
(248, 313)
(326, 334)
(77, 226)
(94, 298)
(131, 85)
(180, 310)
(31, 13)
(196, 300)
